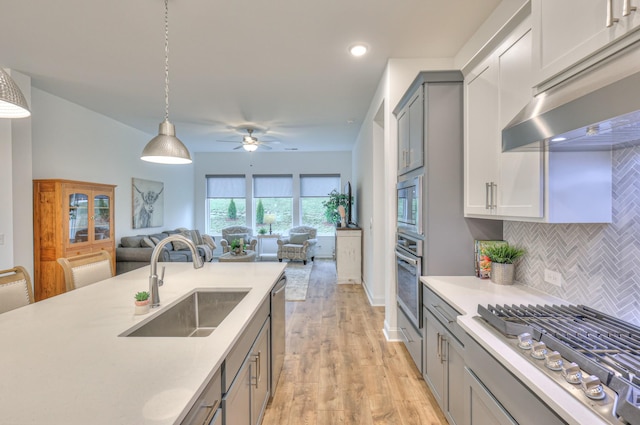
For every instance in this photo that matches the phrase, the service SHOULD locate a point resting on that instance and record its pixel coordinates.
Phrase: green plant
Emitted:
(331, 205)
(260, 212)
(235, 244)
(262, 231)
(141, 296)
(232, 212)
(504, 253)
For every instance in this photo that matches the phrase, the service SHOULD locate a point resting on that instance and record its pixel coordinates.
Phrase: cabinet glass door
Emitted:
(78, 217)
(101, 217)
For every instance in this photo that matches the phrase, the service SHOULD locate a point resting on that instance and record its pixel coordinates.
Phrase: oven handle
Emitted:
(410, 260)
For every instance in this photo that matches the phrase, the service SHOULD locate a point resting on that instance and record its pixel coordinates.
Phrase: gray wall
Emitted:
(599, 263)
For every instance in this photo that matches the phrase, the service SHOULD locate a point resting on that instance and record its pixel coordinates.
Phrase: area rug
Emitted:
(297, 280)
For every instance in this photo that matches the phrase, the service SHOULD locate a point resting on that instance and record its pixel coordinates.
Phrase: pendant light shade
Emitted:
(166, 148)
(12, 101)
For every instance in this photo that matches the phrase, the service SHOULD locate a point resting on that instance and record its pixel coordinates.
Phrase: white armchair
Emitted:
(299, 245)
(229, 234)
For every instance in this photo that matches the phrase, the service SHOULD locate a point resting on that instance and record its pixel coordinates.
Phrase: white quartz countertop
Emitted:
(62, 361)
(464, 293)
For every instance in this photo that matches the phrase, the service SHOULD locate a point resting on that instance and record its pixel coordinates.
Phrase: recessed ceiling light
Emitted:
(358, 50)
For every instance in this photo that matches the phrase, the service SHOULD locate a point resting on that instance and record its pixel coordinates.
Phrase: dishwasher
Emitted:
(277, 330)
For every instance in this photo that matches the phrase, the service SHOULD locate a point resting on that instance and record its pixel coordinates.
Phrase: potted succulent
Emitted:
(142, 302)
(503, 258)
(262, 231)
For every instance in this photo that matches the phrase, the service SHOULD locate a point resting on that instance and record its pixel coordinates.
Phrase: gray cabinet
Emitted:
(410, 134)
(412, 339)
(444, 367)
(260, 374)
(482, 407)
(247, 397)
(236, 402)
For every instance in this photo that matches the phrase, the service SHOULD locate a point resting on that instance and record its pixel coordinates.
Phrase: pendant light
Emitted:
(12, 101)
(166, 148)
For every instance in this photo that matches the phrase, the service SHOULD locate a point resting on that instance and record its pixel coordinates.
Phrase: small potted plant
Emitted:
(237, 247)
(503, 258)
(142, 302)
(262, 231)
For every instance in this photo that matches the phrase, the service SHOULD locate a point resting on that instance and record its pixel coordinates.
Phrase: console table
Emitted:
(349, 254)
(261, 240)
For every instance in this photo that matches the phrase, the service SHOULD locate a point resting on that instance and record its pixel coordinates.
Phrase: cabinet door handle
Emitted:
(627, 8)
(486, 196)
(444, 349)
(439, 348)
(406, 335)
(494, 194)
(258, 368)
(610, 19)
(438, 309)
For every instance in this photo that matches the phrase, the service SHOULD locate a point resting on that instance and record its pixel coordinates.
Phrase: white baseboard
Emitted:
(374, 302)
(392, 334)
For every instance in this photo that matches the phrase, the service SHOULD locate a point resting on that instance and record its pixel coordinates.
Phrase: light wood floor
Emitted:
(339, 368)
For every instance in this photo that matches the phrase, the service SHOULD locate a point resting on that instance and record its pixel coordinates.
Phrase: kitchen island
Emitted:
(63, 361)
(465, 293)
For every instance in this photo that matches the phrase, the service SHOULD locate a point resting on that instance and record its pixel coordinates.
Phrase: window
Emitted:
(273, 197)
(226, 202)
(314, 190)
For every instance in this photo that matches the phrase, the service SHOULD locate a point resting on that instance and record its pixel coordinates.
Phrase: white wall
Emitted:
(294, 163)
(72, 142)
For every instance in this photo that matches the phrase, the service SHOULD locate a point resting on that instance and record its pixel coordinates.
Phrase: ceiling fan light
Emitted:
(250, 147)
(12, 101)
(166, 148)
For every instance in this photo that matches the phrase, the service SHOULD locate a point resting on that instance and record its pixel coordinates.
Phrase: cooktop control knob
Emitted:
(571, 373)
(553, 360)
(538, 350)
(592, 387)
(525, 341)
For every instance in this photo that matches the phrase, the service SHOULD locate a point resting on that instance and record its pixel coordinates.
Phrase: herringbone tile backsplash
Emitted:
(599, 263)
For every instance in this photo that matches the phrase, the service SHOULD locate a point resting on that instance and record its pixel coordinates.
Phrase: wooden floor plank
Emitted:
(339, 368)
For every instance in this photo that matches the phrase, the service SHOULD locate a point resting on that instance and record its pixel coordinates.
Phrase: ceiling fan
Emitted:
(249, 143)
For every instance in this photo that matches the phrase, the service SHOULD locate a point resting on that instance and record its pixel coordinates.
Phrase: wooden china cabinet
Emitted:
(69, 218)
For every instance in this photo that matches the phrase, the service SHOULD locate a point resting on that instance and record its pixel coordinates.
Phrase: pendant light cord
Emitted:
(166, 59)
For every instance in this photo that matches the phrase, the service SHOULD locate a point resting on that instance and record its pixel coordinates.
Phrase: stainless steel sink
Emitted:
(196, 315)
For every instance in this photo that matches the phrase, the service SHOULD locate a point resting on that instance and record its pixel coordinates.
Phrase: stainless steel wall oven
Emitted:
(408, 271)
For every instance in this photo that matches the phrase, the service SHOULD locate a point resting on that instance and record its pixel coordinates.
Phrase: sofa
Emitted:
(134, 252)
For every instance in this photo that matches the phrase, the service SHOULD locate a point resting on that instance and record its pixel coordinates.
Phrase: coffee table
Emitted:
(228, 257)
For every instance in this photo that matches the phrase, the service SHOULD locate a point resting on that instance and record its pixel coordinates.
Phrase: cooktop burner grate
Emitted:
(603, 346)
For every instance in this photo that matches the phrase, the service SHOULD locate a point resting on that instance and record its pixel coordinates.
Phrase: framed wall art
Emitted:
(148, 203)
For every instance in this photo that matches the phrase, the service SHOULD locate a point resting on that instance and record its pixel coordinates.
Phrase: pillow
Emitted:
(147, 243)
(178, 245)
(233, 236)
(131, 241)
(209, 241)
(298, 238)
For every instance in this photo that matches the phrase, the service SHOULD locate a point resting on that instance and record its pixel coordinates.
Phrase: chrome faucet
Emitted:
(154, 281)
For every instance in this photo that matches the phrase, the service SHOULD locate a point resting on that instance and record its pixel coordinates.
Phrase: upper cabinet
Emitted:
(533, 185)
(572, 35)
(410, 134)
(500, 183)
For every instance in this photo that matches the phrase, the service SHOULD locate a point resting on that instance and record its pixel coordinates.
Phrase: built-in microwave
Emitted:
(409, 204)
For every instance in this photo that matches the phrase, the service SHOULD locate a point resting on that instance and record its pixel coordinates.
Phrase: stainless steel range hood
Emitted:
(604, 119)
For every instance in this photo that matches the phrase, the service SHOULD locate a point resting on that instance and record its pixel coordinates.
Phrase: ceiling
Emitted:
(281, 66)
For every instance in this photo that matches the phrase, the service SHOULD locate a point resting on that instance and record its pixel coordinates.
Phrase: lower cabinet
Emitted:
(247, 397)
(412, 339)
(444, 368)
(482, 407)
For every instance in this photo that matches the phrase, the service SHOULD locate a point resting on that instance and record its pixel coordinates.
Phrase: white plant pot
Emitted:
(502, 274)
